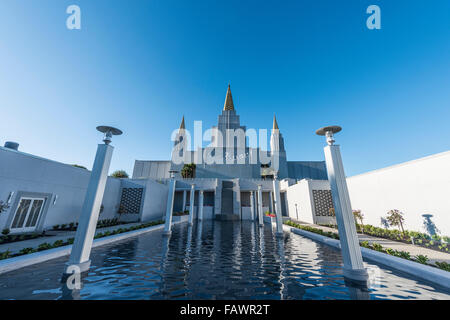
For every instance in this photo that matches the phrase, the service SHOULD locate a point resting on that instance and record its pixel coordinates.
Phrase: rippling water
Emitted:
(213, 260)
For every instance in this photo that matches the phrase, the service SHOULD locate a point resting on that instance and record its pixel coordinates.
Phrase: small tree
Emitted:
(359, 216)
(395, 218)
(120, 174)
(188, 171)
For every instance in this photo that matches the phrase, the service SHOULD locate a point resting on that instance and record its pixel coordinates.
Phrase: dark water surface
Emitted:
(213, 260)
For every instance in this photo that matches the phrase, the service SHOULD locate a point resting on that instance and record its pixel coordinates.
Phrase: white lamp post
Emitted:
(351, 252)
(260, 206)
(169, 208)
(252, 205)
(276, 191)
(191, 203)
(200, 205)
(87, 224)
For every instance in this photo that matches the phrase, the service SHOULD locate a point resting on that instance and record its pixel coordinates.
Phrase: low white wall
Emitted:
(417, 187)
(155, 200)
(28, 175)
(299, 202)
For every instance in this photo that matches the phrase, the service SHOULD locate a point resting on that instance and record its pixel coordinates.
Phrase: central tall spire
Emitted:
(228, 100)
(275, 124)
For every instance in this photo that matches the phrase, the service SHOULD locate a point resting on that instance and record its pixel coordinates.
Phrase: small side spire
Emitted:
(275, 124)
(182, 126)
(228, 100)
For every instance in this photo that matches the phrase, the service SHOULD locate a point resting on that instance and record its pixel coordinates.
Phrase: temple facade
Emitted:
(231, 180)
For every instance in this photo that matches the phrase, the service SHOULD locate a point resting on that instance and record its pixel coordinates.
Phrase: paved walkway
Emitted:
(52, 236)
(432, 255)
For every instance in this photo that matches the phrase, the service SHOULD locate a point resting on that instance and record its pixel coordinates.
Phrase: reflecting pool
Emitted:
(213, 260)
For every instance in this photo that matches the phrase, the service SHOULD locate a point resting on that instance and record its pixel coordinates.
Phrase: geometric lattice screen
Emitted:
(130, 202)
(323, 202)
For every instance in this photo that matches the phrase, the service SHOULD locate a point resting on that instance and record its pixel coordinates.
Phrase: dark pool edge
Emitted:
(19, 262)
(435, 276)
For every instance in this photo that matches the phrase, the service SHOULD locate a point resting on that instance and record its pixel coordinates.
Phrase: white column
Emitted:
(184, 201)
(351, 252)
(260, 206)
(271, 208)
(87, 223)
(252, 206)
(278, 214)
(200, 205)
(169, 208)
(191, 207)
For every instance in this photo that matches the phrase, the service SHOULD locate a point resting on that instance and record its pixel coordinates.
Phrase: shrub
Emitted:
(421, 259)
(98, 235)
(58, 243)
(403, 254)
(44, 246)
(120, 174)
(188, 171)
(443, 265)
(365, 244)
(70, 240)
(5, 255)
(26, 250)
(55, 227)
(5, 231)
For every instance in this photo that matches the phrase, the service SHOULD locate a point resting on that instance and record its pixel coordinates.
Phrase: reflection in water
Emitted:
(281, 256)
(211, 260)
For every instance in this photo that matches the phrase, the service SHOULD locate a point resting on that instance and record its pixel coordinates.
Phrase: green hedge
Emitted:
(420, 239)
(59, 243)
(375, 246)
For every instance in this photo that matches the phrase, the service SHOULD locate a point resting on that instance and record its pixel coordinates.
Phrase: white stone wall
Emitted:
(416, 187)
(25, 173)
(301, 204)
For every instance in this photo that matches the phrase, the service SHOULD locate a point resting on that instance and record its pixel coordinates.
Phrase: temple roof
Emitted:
(275, 124)
(182, 126)
(228, 100)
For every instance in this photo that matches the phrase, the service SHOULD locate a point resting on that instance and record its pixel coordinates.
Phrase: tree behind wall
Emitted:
(188, 171)
(120, 174)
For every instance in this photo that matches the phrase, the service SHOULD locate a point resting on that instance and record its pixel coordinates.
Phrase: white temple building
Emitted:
(229, 172)
(231, 181)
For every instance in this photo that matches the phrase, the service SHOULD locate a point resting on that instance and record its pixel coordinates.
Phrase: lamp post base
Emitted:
(357, 276)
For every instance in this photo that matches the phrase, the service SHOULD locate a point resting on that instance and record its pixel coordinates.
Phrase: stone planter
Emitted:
(268, 219)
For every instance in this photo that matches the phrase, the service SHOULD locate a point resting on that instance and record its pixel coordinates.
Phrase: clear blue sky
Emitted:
(140, 65)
